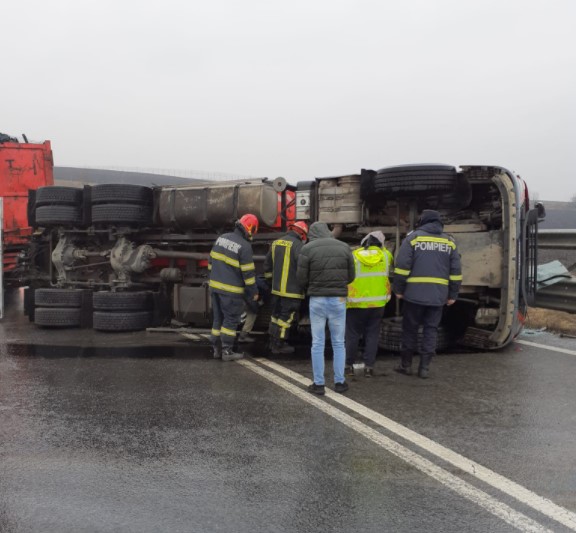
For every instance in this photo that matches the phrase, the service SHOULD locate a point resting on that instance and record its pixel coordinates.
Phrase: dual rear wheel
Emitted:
(112, 311)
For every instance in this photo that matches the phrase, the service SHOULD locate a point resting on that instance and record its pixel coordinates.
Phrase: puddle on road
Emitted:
(183, 351)
(52, 351)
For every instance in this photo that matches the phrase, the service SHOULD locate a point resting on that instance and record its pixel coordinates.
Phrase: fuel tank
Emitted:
(339, 200)
(216, 205)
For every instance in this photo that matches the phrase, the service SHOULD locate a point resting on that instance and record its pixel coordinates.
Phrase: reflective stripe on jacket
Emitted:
(428, 270)
(371, 286)
(231, 266)
(281, 264)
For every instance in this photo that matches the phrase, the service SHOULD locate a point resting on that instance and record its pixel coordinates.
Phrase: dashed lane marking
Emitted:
(546, 347)
(505, 485)
(454, 483)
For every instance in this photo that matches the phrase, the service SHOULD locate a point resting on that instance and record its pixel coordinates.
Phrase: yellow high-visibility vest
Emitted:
(371, 287)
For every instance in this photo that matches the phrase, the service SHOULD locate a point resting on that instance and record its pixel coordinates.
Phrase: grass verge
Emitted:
(556, 321)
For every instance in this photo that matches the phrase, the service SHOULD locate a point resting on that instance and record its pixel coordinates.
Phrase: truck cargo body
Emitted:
(120, 257)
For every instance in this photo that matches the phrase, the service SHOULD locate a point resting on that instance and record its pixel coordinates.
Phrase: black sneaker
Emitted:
(368, 372)
(341, 387)
(423, 373)
(316, 389)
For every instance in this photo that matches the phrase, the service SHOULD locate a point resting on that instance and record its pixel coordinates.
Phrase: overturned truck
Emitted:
(122, 257)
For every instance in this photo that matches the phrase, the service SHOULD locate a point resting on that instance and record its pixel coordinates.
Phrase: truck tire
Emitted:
(56, 195)
(391, 336)
(121, 301)
(110, 321)
(58, 215)
(120, 193)
(413, 180)
(121, 214)
(57, 317)
(58, 298)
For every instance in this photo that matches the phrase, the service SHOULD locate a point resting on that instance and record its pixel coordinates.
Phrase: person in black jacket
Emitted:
(427, 276)
(232, 277)
(280, 269)
(325, 268)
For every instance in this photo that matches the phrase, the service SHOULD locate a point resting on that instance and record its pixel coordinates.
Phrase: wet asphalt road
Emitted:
(145, 432)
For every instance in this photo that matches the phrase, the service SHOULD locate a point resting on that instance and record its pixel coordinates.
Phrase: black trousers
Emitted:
(284, 313)
(363, 323)
(226, 311)
(414, 316)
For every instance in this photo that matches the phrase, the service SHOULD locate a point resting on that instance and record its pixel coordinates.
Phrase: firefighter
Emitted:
(280, 269)
(367, 296)
(232, 278)
(427, 276)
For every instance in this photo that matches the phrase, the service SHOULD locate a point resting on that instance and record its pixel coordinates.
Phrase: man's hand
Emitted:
(399, 296)
(450, 302)
(256, 297)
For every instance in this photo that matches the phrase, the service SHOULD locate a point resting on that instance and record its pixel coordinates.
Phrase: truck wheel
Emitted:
(122, 214)
(56, 195)
(109, 321)
(391, 336)
(58, 298)
(121, 301)
(115, 193)
(57, 317)
(410, 180)
(58, 215)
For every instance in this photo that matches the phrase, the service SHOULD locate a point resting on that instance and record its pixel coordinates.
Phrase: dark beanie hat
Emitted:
(428, 215)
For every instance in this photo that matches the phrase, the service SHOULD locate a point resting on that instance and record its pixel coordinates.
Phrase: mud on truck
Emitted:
(122, 257)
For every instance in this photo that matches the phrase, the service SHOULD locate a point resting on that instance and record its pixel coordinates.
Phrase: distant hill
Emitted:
(559, 215)
(78, 177)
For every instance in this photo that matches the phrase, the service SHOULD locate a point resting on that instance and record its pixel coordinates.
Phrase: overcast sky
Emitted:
(298, 88)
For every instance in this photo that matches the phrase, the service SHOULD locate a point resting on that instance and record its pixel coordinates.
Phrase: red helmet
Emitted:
(250, 224)
(301, 228)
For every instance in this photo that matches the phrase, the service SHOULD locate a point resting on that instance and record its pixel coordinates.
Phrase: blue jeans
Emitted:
(331, 309)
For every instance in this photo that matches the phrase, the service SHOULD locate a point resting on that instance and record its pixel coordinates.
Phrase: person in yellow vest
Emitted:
(368, 294)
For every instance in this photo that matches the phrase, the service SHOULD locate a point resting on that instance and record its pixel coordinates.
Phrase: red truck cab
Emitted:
(23, 167)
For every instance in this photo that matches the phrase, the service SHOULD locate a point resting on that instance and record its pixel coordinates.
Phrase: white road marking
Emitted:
(191, 336)
(546, 347)
(522, 494)
(461, 487)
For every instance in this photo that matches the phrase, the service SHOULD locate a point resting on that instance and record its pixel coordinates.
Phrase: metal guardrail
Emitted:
(560, 296)
(556, 239)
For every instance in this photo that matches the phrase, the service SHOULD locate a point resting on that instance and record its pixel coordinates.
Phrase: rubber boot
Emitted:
(245, 338)
(278, 347)
(424, 367)
(217, 349)
(228, 354)
(405, 365)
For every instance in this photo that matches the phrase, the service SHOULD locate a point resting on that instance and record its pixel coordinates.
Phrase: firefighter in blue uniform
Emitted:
(232, 278)
(427, 276)
(280, 270)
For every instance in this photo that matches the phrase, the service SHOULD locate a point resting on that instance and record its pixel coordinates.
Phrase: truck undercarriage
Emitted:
(126, 257)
